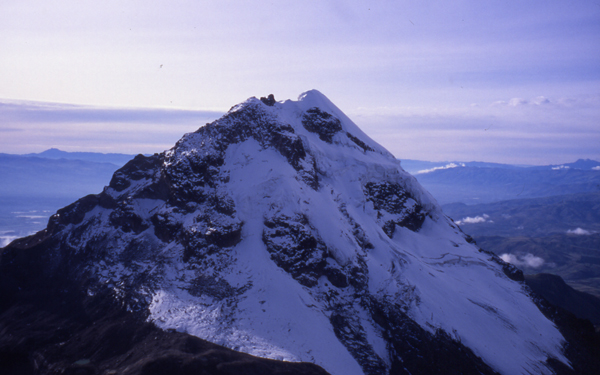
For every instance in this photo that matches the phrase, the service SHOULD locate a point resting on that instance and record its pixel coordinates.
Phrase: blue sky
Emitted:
(503, 81)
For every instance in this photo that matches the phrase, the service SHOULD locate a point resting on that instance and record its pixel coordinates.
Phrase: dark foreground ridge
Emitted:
(48, 325)
(554, 289)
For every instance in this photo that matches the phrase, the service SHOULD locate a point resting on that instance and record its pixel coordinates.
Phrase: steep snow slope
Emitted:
(283, 231)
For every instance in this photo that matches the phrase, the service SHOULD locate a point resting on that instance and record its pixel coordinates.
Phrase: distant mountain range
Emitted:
(54, 153)
(421, 166)
(476, 182)
(34, 186)
(30, 176)
(54, 170)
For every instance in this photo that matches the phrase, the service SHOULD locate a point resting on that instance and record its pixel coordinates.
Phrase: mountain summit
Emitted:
(282, 231)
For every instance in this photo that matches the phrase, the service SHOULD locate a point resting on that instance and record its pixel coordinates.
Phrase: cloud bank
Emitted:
(529, 260)
(474, 220)
(579, 231)
(447, 166)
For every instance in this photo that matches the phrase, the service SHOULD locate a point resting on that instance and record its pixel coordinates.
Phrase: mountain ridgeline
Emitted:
(283, 232)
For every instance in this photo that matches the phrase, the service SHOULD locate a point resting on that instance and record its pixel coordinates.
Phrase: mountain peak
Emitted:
(283, 231)
(314, 98)
(53, 152)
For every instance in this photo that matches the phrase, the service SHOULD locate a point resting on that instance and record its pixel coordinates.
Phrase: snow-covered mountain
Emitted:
(281, 230)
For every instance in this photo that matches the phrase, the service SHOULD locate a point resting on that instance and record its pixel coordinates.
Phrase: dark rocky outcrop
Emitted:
(359, 143)
(583, 342)
(421, 352)
(401, 208)
(295, 247)
(322, 123)
(270, 100)
(136, 169)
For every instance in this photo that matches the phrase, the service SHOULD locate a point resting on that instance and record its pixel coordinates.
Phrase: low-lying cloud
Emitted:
(447, 166)
(529, 260)
(579, 231)
(474, 220)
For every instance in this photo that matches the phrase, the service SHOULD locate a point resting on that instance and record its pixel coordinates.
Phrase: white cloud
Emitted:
(578, 102)
(528, 260)
(514, 102)
(596, 168)
(579, 231)
(447, 166)
(474, 220)
(540, 100)
(560, 167)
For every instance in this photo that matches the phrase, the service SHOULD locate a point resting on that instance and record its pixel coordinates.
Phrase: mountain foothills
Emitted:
(559, 234)
(542, 219)
(279, 232)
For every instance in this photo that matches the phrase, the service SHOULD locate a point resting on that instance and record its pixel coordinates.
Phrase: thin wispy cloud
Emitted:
(37, 126)
(19, 112)
(536, 130)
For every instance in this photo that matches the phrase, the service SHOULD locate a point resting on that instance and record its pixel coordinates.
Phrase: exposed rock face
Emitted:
(395, 207)
(270, 100)
(282, 231)
(322, 123)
